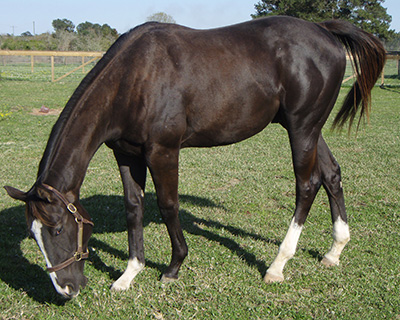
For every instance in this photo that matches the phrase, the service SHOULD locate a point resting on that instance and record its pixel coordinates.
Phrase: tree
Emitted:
(106, 30)
(87, 28)
(394, 43)
(94, 37)
(366, 14)
(161, 17)
(92, 42)
(26, 34)
(64, 40)
(63, 25)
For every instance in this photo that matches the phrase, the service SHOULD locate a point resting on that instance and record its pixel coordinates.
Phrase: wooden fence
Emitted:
(391, 55)
(52, 54)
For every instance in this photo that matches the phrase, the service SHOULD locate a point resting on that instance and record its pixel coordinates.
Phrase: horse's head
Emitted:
(62, 231)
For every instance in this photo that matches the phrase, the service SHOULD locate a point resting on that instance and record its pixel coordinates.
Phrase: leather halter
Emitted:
(79, 254)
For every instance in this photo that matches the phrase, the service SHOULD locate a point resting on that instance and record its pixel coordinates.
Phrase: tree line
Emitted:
(86, 36)
(369, 15)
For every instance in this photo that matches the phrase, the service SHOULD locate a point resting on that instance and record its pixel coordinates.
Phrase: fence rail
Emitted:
(94, 55)
(83, 54)
(390, 55)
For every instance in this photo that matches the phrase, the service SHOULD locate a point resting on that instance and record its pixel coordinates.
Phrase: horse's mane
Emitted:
(89, 79)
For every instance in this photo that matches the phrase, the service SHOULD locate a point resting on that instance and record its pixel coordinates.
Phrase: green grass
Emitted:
(236, 205)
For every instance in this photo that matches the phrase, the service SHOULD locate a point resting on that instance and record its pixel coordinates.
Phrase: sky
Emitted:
(18, 16)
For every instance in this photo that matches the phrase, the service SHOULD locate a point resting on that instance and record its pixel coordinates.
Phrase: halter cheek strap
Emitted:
(79, 254)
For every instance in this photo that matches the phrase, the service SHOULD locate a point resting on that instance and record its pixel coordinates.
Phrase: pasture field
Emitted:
(236, 204)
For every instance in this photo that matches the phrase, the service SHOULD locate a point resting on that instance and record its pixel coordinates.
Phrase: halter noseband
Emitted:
(79, 254)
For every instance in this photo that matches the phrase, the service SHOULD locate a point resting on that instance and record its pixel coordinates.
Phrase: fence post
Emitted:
(52, 55)
(52, 68)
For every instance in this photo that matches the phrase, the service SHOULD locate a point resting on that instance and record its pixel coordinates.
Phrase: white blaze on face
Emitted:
(37, 232)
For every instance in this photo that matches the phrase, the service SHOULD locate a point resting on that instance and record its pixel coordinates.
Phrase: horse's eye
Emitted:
(59, 230)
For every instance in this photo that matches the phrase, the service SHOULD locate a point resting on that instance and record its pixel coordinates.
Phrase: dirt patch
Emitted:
(45, 112)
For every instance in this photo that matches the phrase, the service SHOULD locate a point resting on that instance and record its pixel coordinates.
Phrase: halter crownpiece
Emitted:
(79, 254)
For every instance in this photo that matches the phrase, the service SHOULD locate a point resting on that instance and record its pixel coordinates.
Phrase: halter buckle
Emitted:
(71, 208)
(78, 256)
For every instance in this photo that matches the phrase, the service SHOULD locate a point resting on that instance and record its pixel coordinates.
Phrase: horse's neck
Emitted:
(70, 149)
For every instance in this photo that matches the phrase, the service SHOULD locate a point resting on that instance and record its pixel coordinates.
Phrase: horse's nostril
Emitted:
(68, 289)
(69, 292)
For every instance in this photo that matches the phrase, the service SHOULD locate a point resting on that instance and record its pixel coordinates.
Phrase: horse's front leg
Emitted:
(163, 165)
(133, 174)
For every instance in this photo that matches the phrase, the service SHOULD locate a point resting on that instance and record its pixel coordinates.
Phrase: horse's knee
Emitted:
(309, 188)
(169, 213)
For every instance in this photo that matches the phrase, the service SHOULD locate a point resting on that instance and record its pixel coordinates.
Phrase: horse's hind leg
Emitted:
(314, 165)
(331, 180)
(163, 165)
(133, 174)
(308, 182)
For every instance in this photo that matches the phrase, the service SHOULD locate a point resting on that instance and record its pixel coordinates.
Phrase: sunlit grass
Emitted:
(236, 204)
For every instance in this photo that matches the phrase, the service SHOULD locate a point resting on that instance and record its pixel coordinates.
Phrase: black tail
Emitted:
(368, 58)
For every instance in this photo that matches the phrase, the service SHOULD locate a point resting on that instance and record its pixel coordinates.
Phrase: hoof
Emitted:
(120, 286)
(329, 263)
(271, 278)
(166, 279)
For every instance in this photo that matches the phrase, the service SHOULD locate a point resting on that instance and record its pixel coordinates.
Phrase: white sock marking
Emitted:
(287, 250)
(341, 235)
(132, 270)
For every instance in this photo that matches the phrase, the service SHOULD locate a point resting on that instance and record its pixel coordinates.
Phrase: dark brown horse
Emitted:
(164, 87)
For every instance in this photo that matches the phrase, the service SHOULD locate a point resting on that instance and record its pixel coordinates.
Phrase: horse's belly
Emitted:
(228, 127)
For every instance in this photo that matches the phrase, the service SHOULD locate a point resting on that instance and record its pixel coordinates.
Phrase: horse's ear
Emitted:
(16, 194)
(44, 194)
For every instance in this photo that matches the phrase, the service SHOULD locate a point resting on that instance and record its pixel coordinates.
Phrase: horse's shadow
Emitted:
(108, 214)
(15, 270)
